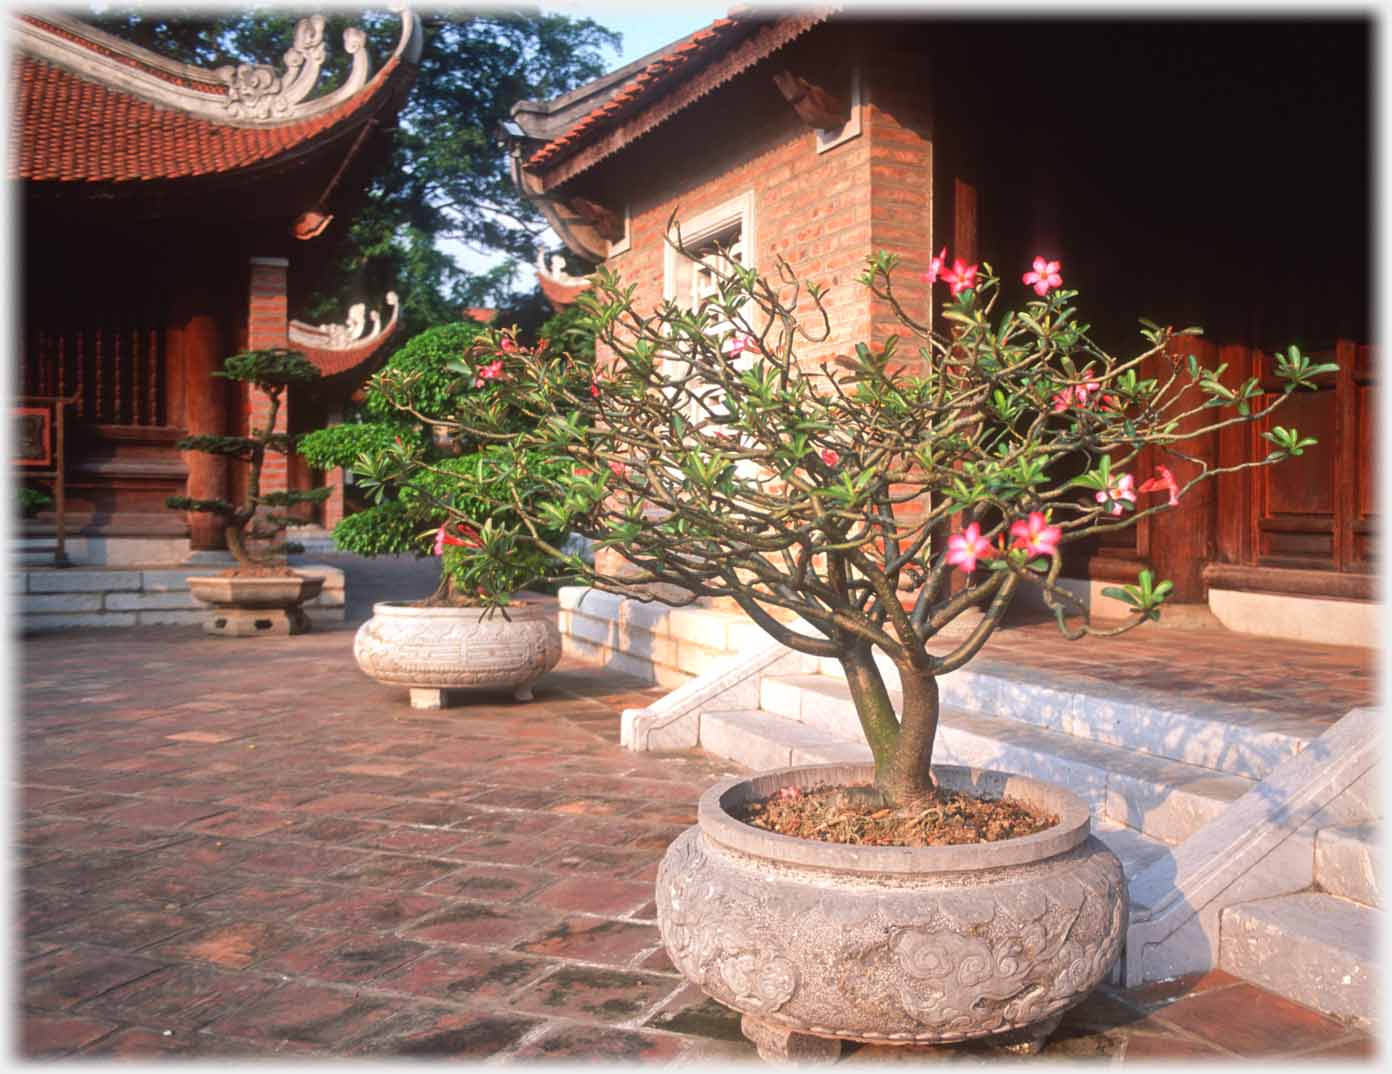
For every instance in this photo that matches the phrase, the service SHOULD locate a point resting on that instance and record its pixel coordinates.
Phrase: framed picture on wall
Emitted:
(34, 442)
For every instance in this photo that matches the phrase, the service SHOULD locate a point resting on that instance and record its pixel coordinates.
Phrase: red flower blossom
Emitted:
(935, 267)
(830, 457)
(1035, 535)
(594, 389)
(1164, 483)
(961, 277)
(492, 371)
(1045, 276)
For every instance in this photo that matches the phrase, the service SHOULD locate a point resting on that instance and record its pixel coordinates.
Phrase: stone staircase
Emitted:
(1319, 946)
(1247, 836)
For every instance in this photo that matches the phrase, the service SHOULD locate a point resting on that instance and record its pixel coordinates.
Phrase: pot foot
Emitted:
(523, 692)
(429, 699)
(1027, 1040)
(257, 622)
(777, 1044)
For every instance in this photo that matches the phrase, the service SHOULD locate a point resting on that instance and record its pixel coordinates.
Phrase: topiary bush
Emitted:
(482, 562)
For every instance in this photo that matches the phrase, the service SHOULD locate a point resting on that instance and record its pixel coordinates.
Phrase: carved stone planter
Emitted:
(433, 651)
(816, 943)
(256, 605)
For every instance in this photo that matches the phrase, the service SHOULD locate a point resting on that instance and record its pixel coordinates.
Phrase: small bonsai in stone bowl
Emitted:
(457, 504)
(864, 504)
(261, 595)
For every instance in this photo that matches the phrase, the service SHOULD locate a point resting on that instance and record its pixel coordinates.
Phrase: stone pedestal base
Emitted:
(427, 698)
(251, 622)
(780, 1044)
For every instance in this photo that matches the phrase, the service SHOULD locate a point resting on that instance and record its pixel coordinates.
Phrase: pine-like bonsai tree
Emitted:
(422, 513)
(252, 527)
(849, 494)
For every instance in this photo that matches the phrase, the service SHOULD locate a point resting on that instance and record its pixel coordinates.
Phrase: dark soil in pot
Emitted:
(832, 815)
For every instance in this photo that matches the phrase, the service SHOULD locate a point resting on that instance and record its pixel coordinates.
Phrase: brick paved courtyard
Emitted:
(245, 848)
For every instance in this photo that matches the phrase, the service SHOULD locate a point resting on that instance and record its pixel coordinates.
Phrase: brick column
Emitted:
(268, 326)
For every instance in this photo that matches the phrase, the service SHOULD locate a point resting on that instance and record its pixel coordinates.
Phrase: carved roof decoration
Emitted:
(560, 288)
(93, 108)
(342, 349)
(668, 81)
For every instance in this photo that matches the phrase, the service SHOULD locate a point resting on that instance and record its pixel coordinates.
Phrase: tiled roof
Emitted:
(669, 66)
(67, 127)
(675, 77)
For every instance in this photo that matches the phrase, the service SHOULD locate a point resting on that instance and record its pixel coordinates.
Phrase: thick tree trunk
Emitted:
(910, 775)
(902, 745)
(873, 705)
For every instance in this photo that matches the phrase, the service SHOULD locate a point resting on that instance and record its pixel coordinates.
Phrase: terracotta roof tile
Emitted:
(695, 46)
(68, 129)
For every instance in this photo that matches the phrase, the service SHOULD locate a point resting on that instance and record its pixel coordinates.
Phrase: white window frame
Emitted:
(702, 227)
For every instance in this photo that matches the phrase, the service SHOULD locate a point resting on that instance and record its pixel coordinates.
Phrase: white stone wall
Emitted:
(50, 598)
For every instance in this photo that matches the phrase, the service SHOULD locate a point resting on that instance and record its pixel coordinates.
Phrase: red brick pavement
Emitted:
(244, 848)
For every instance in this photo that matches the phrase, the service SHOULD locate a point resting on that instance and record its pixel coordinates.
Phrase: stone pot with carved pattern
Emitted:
(434, 651)
(817, 943)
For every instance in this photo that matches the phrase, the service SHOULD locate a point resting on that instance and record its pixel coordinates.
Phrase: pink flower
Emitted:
(443, 537)
(618, 469)
(965, 548)
(1077, 393)
(738, 344)
(961, 277)
(492, 371)
(830, 457)
(1165, 482)
(1121, 489)
(507, 346)
(935, 267)
(1045, 276)
(1035, 535)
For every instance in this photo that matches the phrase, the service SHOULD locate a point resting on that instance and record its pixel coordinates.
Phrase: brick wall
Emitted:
(267, 326)
(823, 212)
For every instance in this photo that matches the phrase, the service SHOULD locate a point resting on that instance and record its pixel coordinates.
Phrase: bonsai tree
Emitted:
(253, 526)
(462, 498)
(878, 497)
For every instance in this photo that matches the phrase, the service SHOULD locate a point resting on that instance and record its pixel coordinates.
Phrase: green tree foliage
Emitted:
(447, 178)
(482, 562)
(878, 499)
(272, 371)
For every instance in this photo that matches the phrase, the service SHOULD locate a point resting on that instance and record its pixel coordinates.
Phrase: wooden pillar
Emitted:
(1182, 541)
(200, 351)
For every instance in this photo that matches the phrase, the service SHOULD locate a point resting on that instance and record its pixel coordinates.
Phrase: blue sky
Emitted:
(645, 32)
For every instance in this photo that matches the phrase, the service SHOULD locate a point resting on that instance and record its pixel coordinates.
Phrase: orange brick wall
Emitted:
(267, 326)
(823, 212)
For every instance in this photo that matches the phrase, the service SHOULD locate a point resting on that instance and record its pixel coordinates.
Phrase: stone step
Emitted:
(1228, 738)
(1347, 861)
(1315, 949)
(761, 742)
(1164, 799)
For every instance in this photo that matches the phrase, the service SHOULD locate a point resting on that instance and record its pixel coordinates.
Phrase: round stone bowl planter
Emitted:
(816, 943)
(256, 605)
(432, 651)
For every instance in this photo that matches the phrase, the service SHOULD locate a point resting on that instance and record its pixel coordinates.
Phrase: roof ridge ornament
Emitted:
(256, 92)
(255, 95)
(554, 268)
(348, 335)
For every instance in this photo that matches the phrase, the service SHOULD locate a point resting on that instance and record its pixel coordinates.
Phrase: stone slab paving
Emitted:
(1317, 683)
(244, 848)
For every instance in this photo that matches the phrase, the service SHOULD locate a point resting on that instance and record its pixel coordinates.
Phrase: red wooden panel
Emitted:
(1304, 485)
